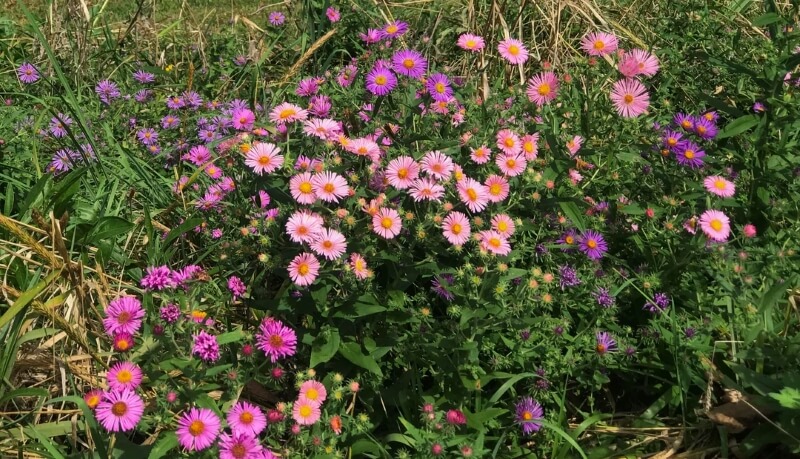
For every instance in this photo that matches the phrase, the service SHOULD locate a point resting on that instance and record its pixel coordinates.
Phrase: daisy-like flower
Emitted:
(364, 147)
(494, 242)
(704, 128)
(497, 188)
(605, 343)
(456, 228)
(511, 164)
(685, 121)
(480, 155)
(147, 136)
(371, 36)
(513, 51)
(143, 77)
(276, 339)
(508, 142)
(542, 88)
(574, 145)
(437, 165)
(630, 98)
(243, 119)
(197, 429)
(264, 157)
(303, 227)
(123, 342)
(504, 225)
(302, 188)
(386, 223)
(329, 186)
(394, 29)
(124, 375)
(276, 18)
(27, 73)
(719, 186)
(638, 62)
(206, 346)
(438, 86)
(322, 128)
(473, 194)
(402, 171)
(305, 412)
(689, 154)
(528, 414)
(247, 418)
(715, 225)
(239, 445)
(599, 43)
(593, 245)
(359, 266)
(93, 398)
(123, 315)
(287, 113)
(530, 146)
(423, 189)
(471, 42)
(670, 139)
(410, 63)
(304, 269)
(330, 244)
(119, 410)
(380, 81)
(313, 391)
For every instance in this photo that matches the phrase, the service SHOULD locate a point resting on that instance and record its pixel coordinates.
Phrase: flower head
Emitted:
(313, 391)
(605, 343)
(439, 88)
(276, 339)
(239, 445)
(197, 429)
(247, 418)
(380, 81)
(206, 347)
(304, 269)
(719, 186)
(542, 88)
(124, 376)
(528, 414)
(123, 315)
(473, 194)
(470, 42)
(456, 228)
(287, 113)
(27, 73)
(513, 51)
(410, 63)
(386, 223)
(330, 244)
(402, 171)
(119, 410)
(593, 245)
(264, 157)
(689, 154)
(305, 412)
(329, 186)
(715, 225)
(599, 43)
(630, 98)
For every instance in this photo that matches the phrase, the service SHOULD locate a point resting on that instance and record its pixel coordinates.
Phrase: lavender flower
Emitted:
(603, 297)
(659, 304)
(568, 277)
(143, 77)
(107, 90)
(27, 73)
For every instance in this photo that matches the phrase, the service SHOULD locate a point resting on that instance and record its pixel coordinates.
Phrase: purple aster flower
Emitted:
(143, 95)
(689, 332)
(240, 60)
(206, 346)
(320, 106)
(569, 239)
(148, 136)
(659, 304)
(157, 278)
(27, 73)
(605, 343)
(759, 107)
(372, 36)
(143, 77)
(192, 99)
(170, 122)
(276, 18)
(107, 91)
(61, 162)
(394, 29)
(58, 125)
(410, 63)
(689, 154)
(380, 81)
(705, 129)
(603, 297)
(243, 119)
(528, 414)
(438, 86)
(175, 103)
(307, 87)
(208, 135)
(170, 313)
(593, 245)
(276, 339)
(671, 139)
(439, 286)
(236, 286)
(568, 277)
(685, 121)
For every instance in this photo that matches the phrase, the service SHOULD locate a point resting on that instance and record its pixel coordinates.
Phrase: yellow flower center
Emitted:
(196, 428)
(264, 160)
(686, 124)
(119, 408)
(672, 141)
(528, 147)
(246, 417)
(471, 43)
(689, 154)
(473, 195)
(495, 189)
(502, 226)
(601, 348)
(391, 29)
(569, 240)
(495, 242)
(286, 113)
(327, 245)
(402, 173)
(242, 120)
(380, 80)
(455, 229)
(386, 222)
(328, 188)
(305, 411)
(124, 376)
(591, 243)
(701, 130)
(439, 88)
(275, 341)
(511, 162)
(509, 142)
(513, 50)
(719, 184)
(628, 99)
(305, 187)
(303, 269)
(527, 416)
(312, 394)
(544, 89)
(598, 45)
(408, 63)
(93, 401)
(716, 225)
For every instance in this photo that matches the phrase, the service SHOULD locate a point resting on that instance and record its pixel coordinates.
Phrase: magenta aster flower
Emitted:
(107, 90)
(276, 18)
(513, 51)
(394, 29)
(380, 81)
(206, 347)
(410, 63)
(593, 245)
(123, 315)
(243, 119)
(239, 445)
(528, 414)
(599, 43)
(542, 88)
(157, 278)
(704, 128)
(470, 42)
(719, 186)
(143, 77)
(124, 375)
(630, 98)
(438, 86)
(27, 73)
(119, 411)
(247, 418)
(197, 429)
(605, 343)
(276, 339)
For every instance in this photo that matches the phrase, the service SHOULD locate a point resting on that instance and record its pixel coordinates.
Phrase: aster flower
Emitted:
(530, 146)
(513, 51)
(394, 29)
(119, 411)
(494, 242)
(481, 154)
(705, 129)
(402, 171)
(243, 119)
(157, 278)
(568, 277)
(302, 189)
(470, 42)
(276, 339)
(574, 145)
(58, 125)
(359, 266)
(410, 63)
(123, 315)
(124, 376)
(330, 244)
(456, 228)
(329, 186)
(371, 36)
(504, 225)
(438, 86)
(313, 391)
(197, 429)
(304, 269)
(27, 73)
(659, 304)
(605, 343)
(147, 136)
(685, 121)
(511, 165)
(439, 285)
(276, 18)
(239, 445)
(107, 90)
(380, 81)
(508, 142)
(246, 418)
(689, 154)
(638, 62)
(305, 412)
(542, 88)
(528, 414)
(599, 43)
(333, 14)
(671, 139)
(473, 194)
(426, 189)
(303, 227)
(603, 297)
(719, 186)
(437, 165)
(497, 188)
(630, 98)
(263, 158)
(386, 223)
(170, 313)
(143, 77)
(206, 347)
(325, 129)
(716, 225)
(287, 113)
(593, 245)
(170, 122)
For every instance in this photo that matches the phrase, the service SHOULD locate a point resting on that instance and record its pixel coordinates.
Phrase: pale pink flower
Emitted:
(325, 129)
(302, 188)
(719, 186)
(513, 51)
(402, 171)
(426, 189)
(437, 164)
(470, 42)
(456, 228)
(313, 391)
(473, 194)
(511, 164)
(530, 146)
(329, 186)
(599, 43)
(386, 223)
(630, 98)
(574, 145)
(303, 226)
(330, 244)
(542, 88)
(305, 412)
(497, 188)
(263, 158)
(504, 225)
(359, 266)
(481, 155)
(494, 242)
(508, 142)
(715, 225)
(304, 269)
(287, 113)
(638, 62)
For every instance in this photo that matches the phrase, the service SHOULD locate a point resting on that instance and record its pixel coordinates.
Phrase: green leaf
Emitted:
(549, 425)
(325, 347)
(165, 444)
(27, 297)
(766, 19)
(476, 420)
(230, 337)
(108, 228)
(352, 352)
(573, 213)
(788, 397)
(184, 227)
(738, 126)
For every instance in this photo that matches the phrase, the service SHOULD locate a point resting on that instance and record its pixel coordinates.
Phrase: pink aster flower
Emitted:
(247, 418)
(530, 146)
(276, 339)
(123, 315)
(330, 244)
(504, 225)
(426, 189)
(303, 227)
(359, 266)
(157, 278)
(494, 242)
(437, 165)
(287, 113)
(264, 158)
(473, 194)
(470, 42)
(630, 98)
(394, 29)
(410, 63)
(305, 412)
(513, 51)
(599, 43)
(119, 410)
(124, 375)
(304, 269)
(638, 62)
(206, 347)
(313, 391)
(542, 88)
(719, 186)
(508, 142)
(402, 171)
(329, 186)
(456, 228)
(574, 145)
(497, 188)
(511, 164)
(197, 429)
(239, 445)
(438, 86)
(364, 147)
(386, 223)
(322, 128)
(302, 188)
(243, 119)
(480, 155)
(715, 225)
